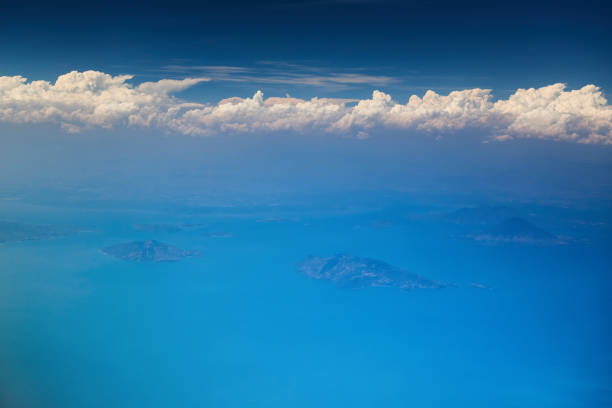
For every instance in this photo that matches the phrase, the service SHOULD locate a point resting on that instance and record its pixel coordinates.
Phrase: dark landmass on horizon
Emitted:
(519, 231)
(18, 232)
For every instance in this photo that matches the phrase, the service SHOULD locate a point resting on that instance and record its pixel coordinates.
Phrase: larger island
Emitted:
(355, 272)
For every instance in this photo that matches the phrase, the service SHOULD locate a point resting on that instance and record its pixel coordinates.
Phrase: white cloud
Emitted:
(92, 99)
(87, 99)
(553, 113)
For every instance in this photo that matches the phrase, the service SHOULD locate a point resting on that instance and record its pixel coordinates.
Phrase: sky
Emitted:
(520, 69)
(301, 82)
(272, 79)
(321, 48)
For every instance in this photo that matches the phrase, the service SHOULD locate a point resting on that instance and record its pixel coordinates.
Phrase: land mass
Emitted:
(483, 215)
(148, 251)
(354, 272)
(157, 228)
(17, 232)
(518, 230)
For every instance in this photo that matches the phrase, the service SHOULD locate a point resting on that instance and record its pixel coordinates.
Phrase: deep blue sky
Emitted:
(425, 44)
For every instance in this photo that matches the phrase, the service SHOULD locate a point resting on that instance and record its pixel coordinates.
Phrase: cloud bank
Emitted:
(91, 99)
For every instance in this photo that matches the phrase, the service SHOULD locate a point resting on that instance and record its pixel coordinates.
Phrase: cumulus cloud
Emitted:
(93, 99)
(88, 99)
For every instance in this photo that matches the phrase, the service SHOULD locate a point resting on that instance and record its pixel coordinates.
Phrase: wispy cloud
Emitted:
(93, 99)
(279, 72)
(217, 69)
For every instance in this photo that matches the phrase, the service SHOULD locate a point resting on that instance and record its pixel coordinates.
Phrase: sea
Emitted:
(523, 325)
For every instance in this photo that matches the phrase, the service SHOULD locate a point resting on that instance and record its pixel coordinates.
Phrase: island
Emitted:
(18, 232)
(218, 234)
(483, 215)
(148, 251)
(354, 272)
(518, 230)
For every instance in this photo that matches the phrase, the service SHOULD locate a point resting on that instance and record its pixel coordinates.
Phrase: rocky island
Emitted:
(148, 251)
(520, 231)
(354, 272)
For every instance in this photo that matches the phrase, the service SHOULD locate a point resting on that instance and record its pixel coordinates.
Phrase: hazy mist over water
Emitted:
(135, 165)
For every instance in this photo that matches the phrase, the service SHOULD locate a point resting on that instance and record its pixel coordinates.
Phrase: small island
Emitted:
(18, 232)
(157, 228)
(148, 251)
(218, 234)
(355, 272)
(483, 215)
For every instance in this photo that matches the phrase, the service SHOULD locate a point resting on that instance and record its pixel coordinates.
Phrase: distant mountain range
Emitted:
(517, 230)
(355, 272)
(148, 251)
(500, 225)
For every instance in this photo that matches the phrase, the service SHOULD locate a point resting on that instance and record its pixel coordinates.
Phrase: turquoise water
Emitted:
(239, 327)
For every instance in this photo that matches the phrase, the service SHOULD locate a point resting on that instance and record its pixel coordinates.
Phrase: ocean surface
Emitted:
(525, 326)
